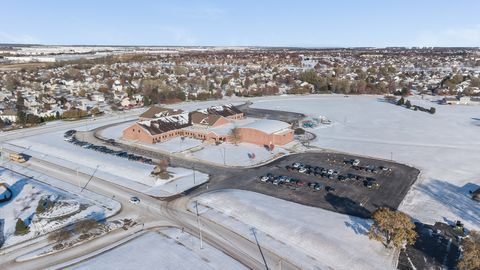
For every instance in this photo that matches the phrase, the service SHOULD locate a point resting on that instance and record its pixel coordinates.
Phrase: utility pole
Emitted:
(224, 156)
(391, 156)
(199, 228)
(259, 248)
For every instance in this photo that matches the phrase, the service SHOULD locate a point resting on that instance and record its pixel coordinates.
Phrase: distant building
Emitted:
(460, 100)
(9, 115)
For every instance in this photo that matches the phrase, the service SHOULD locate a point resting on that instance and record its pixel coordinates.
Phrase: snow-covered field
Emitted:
(131, 174)
(237, 155)
(310, 237)
(444, 146)
(167, 249)
(66, 210)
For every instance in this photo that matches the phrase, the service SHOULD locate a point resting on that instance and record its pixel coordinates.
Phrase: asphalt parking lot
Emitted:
(351, 197)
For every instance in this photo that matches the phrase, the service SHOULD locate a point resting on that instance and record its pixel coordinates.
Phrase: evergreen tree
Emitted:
(408, 104)
(21, 228)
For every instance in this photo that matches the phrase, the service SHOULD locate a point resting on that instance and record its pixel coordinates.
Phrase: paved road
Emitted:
(151, 212)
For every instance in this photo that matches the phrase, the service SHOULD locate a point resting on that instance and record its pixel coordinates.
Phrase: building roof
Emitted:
(201, 118)
(165, 124)
(222, 110)
(157, 112)
(267, 126)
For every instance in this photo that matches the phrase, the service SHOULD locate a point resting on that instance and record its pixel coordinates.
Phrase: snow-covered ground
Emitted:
(28, 192)
(115, 131)
(174, 145)
(167, 249)
(444, 146)
(135, 175)
(309, 237)
(237, 155)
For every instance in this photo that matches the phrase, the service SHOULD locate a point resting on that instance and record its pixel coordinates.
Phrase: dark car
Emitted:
(329, 189)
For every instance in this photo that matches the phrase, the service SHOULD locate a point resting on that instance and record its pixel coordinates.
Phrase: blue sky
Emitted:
(344, 23)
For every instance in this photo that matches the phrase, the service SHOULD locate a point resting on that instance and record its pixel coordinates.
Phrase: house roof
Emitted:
(157, 112)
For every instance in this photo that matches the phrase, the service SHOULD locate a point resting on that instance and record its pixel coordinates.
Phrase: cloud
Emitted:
(468, 36)
(17, 38)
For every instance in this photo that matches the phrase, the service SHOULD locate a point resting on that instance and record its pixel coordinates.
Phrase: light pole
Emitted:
(198, 223)
(259, 248)
(193, 169)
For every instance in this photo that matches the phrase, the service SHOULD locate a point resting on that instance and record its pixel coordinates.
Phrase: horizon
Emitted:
(306, 24)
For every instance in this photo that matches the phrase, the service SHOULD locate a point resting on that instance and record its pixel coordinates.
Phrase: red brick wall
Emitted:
(254, 136)
(135, 132)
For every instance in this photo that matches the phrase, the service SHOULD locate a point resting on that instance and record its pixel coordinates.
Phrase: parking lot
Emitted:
(330, 182)
(361, 193)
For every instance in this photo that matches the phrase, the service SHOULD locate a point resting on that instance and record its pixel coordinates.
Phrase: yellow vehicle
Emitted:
(18, 158)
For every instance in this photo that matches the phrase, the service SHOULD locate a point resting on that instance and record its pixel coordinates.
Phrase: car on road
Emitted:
(134, 200)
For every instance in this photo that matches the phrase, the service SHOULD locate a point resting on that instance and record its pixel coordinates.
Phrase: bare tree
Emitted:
(235, 135)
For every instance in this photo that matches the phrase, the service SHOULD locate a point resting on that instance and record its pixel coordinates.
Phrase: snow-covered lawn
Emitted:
(309, 237)
(135, 175)
(167, 249)
(444, 146)
(237, 155)
(115, 132)
(67, 207)
(174, 145)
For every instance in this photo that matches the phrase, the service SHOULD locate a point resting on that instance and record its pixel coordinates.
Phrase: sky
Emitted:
(299, 23)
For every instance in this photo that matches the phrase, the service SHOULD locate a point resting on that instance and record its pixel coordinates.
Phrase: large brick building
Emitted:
(217, 123)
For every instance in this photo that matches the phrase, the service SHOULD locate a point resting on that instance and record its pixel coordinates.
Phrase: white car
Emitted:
(134, 200)
(302, 170)
(356, 162)
(296, 165)
(264, 178)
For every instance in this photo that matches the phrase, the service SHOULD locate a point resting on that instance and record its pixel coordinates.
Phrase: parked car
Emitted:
(297, 165)
(355, 162)
(303, 170)
(329, 189)
(266, 177)
(384, 168)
